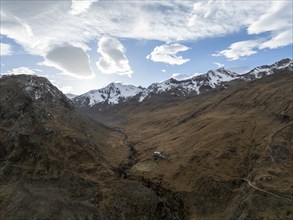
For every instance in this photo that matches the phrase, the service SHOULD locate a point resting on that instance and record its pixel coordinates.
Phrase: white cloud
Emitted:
(282, 38)
(113, 60)
(167, 53)
(219, 65)
(20, 70)
(80, 6)
(215, 18)
(180, 76)
(36, 24)
(40, 25)
(71, 60)
(5, 49)
(66, 89)
(17, 29)
(163, 70)
(277, 17)
(240, 49)
(276, 20)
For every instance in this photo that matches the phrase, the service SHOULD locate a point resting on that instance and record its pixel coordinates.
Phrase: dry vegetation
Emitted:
(228, 156)
(229, 152)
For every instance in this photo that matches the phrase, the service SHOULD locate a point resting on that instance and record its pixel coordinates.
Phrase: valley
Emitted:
(223, 144)
(146, 110)
(225, 153)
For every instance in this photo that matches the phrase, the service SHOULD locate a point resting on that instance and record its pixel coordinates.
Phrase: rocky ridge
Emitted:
(220, 78)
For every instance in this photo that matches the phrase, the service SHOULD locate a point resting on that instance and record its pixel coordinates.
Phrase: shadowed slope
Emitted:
(58, 164)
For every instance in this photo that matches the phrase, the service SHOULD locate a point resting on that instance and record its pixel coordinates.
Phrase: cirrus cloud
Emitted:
(167, 53)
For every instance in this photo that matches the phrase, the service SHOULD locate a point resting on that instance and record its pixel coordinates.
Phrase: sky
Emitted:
(80, 45)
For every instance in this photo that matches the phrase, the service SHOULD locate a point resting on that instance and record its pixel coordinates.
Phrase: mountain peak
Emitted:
(37, 89)
(113, 93)
(114, 84)
(264, 70)
(223, 71)
(284, 61)
(30, 95)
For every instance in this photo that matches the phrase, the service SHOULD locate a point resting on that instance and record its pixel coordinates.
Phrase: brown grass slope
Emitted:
(229, 153)
(58, 164)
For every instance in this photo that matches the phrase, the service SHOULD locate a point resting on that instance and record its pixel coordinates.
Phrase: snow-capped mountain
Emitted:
(203, 82)
(114, 93)
(266, 70)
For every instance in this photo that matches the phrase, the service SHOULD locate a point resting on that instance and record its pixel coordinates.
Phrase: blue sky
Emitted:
(84, 45)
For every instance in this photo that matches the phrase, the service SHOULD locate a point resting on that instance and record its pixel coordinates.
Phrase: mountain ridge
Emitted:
(111, 94)
(223, 154)
(117, 93)
(57, 163)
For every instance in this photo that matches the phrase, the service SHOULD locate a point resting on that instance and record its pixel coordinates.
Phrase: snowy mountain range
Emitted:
(209, 80)
(265, 70)
(111, 94)
(116, 93)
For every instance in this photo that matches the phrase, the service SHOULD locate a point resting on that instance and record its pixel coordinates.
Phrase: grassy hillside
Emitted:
(228, 152)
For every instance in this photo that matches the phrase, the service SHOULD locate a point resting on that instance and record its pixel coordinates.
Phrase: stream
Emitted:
(124, 169)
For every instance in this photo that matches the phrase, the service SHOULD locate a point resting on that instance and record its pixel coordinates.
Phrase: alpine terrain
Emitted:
(213, 146)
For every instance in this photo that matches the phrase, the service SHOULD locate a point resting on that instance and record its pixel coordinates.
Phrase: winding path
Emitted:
(265, 191)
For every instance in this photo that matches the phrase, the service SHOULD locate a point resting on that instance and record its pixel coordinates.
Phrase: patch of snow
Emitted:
(37, 95)
(220, 75)
(256, 72)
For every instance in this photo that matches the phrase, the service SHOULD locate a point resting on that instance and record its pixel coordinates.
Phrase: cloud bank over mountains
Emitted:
(60, 31)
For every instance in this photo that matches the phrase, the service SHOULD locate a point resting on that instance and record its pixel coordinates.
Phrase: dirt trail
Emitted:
(265, 191)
